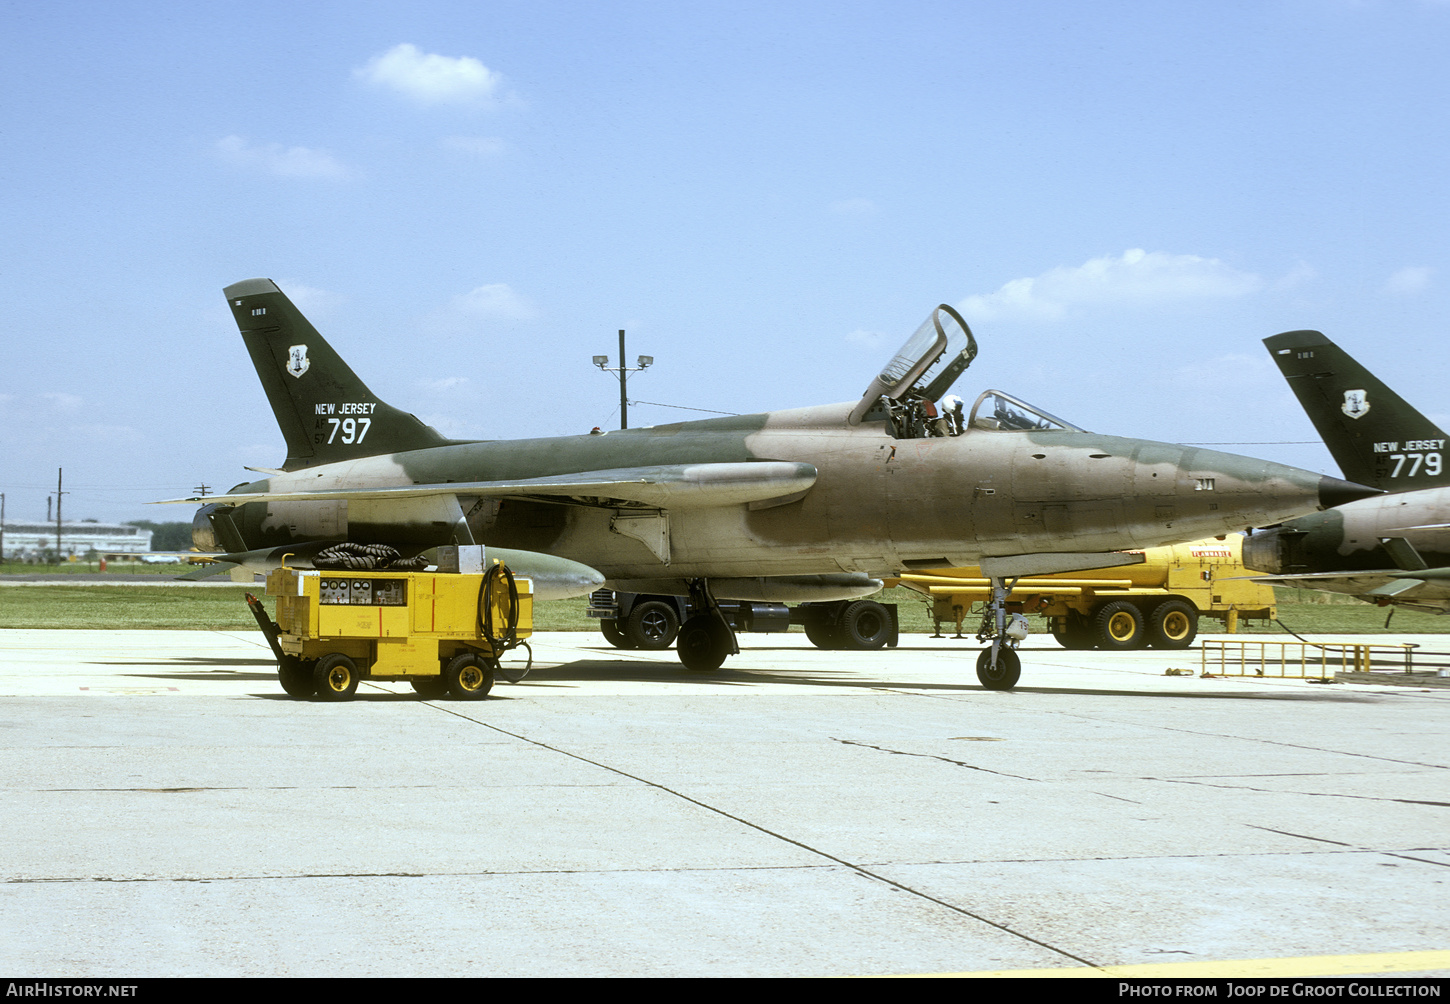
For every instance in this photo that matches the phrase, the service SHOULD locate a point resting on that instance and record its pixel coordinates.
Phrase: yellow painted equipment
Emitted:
(443, 632)
(1156, 602)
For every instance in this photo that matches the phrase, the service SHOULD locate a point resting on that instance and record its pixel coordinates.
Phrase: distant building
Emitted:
(29, 541)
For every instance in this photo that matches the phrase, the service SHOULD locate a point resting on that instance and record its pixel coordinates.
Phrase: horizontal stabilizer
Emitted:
(679, 486)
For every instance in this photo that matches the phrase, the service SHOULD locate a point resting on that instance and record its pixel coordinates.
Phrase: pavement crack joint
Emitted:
(932, 756)
(1312, 794)
(853, 866)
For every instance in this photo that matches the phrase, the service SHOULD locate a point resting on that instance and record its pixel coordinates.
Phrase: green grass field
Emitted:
(109, 608)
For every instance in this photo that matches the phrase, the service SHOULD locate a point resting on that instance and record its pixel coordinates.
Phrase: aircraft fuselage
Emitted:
(879, 504)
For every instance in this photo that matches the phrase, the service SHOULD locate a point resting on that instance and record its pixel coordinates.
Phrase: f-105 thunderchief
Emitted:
(807, 504)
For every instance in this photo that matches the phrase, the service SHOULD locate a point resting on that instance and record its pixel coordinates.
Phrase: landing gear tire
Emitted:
(703, 644)
(864, 625)
(469, 677)
(612, 634)
(335, 677)
(1173, 624)
(652, 625)
(430, 688)
(1076, 634)
(1119, 626)
(1007, 673)
(295, 676)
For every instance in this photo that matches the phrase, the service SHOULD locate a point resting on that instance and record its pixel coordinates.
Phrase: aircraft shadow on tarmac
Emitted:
(628, 671)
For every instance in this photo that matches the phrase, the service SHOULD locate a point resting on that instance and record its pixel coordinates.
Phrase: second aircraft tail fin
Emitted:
(1375, 436)
(325, 412)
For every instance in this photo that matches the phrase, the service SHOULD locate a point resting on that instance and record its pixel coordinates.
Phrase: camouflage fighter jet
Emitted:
(808, 504)
(1394, 549)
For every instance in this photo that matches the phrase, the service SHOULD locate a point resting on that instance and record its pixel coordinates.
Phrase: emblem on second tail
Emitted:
(1356, 402)
(297, 360)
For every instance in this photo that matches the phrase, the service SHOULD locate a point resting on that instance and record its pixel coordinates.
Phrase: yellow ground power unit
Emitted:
(443, 632)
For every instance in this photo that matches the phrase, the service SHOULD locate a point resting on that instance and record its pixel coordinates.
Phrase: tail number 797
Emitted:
(353, 429)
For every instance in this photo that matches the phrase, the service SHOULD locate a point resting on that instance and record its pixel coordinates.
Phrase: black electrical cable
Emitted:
(509, 638)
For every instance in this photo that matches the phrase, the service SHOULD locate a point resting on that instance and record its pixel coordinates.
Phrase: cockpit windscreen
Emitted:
(996, 410)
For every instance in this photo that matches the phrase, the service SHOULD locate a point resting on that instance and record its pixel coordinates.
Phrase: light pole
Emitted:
(603, 363)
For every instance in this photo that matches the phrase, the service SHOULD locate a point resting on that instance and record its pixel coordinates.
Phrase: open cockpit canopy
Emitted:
(910, 393)
(925, 367)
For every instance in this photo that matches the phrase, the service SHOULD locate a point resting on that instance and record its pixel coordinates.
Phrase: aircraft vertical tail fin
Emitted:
(325, 412)
(1375, 436)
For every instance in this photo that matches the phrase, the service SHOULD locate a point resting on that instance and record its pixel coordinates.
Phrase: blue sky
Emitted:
(469, 199)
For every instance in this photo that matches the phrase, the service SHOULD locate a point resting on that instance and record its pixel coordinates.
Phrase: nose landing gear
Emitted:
(999, 667)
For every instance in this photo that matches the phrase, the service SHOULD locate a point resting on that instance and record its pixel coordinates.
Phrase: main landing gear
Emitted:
(999, 667)
(706, 638)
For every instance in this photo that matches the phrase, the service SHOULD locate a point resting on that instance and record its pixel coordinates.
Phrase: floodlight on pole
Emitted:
(644, 363)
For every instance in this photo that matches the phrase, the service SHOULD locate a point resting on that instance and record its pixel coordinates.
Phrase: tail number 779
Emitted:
(354, 429)
(1431, 462)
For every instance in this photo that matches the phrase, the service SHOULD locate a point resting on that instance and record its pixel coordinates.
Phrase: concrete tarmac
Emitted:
(170, 812)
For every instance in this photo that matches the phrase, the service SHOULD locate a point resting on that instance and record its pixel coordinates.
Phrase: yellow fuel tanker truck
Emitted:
(1155, 603)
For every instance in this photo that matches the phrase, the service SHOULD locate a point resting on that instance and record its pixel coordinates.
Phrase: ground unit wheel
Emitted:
(430, 688)
(469, 676)
(1119, 625)
(703, 644)
(652, 625)
(336, 677)
(1173, 624)
(822, 634)
(1007, 673)
(864, 624)
(295, 676)
(1076, 633)
(613, 635)
(820, 626)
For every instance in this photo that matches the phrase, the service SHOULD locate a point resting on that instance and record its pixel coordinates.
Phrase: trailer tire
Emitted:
(1009, 668)
(469, 677)
(612, 634)
(1173, 624)
(1076, 634)
(295, 675)
(864, 624)
(820, 625)
(652, 625)
(430, 688)
(336, 677)
(1119, 626)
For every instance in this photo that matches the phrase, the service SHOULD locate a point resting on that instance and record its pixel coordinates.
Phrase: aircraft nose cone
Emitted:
(1333, 492)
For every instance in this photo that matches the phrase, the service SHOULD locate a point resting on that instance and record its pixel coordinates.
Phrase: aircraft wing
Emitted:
(676, 486)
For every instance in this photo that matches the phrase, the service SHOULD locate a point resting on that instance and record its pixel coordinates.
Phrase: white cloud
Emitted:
(1136, 277)
(1409, 280)
(853, 207)
(62, 401)
(443, 384)
(309, 299)
(866, 339)
(429, 78)
(493, 301)
(482, 147)
(288, 162)
(1299, 275)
